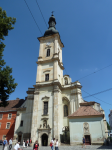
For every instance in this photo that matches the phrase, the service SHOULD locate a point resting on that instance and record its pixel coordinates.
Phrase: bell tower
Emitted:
(50, 66)
(48, 82)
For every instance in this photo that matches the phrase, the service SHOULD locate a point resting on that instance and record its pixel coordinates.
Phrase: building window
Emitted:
(9, 116)
(46, 77)
(21, 124)
(8, 126)
(66, 81)
(48, 52)
(1, 115)
(45, 108)
(65, 110)
(0, 124)
(4, 136)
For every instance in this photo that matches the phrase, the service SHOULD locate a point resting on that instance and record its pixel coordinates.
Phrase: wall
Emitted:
(96, 128)
(8, 132)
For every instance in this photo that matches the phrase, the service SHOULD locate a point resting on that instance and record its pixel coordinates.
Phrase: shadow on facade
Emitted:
(10, 133)
(65, 138)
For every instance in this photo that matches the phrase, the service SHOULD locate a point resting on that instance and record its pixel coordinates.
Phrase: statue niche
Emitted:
(86, 128)
(45, 124)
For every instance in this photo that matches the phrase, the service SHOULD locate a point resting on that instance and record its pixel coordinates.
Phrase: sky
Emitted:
(85, 27)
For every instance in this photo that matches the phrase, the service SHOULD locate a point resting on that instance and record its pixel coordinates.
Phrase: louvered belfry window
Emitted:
(48, 52)
(65, 110)
(45, 108)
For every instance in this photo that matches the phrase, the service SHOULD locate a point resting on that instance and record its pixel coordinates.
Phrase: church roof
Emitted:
(13, 105)
(85, 111)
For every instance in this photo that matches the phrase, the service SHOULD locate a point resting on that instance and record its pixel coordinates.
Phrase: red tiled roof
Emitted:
(85, 111)
(13, 105)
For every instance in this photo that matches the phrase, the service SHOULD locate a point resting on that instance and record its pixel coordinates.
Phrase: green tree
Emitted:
(108, 126)
(7, 85)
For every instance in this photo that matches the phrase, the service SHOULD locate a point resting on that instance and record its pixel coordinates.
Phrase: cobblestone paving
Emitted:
(93, 147)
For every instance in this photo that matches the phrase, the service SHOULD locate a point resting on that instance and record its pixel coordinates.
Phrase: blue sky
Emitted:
(85, 27)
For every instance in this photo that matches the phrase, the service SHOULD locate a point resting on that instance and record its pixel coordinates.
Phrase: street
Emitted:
(79, 147)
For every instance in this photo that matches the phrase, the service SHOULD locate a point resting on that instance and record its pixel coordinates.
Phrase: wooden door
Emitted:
(19, 138)
(87, 140)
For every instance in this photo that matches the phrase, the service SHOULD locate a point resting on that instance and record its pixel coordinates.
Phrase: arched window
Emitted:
(66, 81)
(48, 52)
(65, 110)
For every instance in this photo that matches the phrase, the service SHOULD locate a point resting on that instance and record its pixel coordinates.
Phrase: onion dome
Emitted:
(51, 30)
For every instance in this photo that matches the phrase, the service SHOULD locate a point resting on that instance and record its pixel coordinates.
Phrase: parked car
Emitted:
(1, 142)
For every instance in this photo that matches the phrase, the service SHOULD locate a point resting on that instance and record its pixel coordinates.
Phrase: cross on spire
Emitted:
(52, 12)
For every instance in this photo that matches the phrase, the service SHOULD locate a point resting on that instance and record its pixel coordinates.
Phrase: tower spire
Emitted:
(52, 29)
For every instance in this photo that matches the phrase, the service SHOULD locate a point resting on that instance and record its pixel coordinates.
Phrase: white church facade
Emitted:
(54, 107)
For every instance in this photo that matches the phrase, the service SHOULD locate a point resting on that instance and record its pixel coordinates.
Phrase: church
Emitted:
(54, 107)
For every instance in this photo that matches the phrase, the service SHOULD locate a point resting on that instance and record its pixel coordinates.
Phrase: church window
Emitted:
(21, 123)
(65, 110)
(48, 52)
(66, 81)
(46, 77)
(45, 108)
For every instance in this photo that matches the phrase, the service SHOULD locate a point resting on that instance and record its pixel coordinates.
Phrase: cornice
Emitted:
(30, 98)
(21, 109)
(51, 37)
(89, 116)
(51, 60)
(60, 86)
(30, 92)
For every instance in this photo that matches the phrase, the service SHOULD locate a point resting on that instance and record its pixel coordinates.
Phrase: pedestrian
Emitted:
(23, 143)
(83, 140)
(36, 146)
(30, 140)
(4, 143)
(52, 142)
(17, 147)
(10, 144)
(27, 142)
(56, 145)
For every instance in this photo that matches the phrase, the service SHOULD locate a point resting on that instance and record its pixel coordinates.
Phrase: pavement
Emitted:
(79, 147)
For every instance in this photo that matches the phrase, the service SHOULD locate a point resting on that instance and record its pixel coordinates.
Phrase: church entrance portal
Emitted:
(44, 140)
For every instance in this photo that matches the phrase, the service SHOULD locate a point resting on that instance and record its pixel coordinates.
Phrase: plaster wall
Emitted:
(96, 130)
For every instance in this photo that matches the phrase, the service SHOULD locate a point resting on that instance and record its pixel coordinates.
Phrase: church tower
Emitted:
(55, 95)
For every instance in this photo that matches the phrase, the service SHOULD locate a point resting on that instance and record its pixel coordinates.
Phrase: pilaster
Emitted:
(56, 112)
(35, 117)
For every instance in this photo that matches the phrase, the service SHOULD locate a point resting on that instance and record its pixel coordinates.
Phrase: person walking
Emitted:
(27, 142)
(56, 145)
(52, 142)
(30, 140)
(23, 143)
(17, 147)
(4, 143)
(10, 144)
(36, 146)
(83, 140)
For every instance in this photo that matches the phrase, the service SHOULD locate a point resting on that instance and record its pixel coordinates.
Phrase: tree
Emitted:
(7, 85)
(108, 126)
